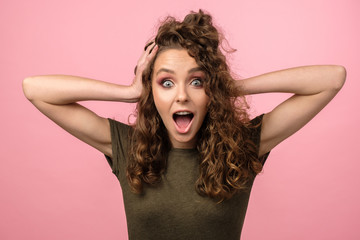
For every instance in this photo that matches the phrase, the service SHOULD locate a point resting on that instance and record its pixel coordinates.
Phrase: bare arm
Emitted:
(64, 89)
(313, 88)
(56, 96)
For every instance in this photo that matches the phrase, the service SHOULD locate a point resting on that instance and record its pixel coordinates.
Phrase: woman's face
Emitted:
(179, 96)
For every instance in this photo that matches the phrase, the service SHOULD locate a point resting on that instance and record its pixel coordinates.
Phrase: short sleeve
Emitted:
(119, 141)
(255, 136)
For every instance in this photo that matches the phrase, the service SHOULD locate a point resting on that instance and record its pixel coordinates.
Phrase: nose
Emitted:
(182, 95)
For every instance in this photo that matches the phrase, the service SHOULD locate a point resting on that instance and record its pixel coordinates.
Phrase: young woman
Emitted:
(187, 165)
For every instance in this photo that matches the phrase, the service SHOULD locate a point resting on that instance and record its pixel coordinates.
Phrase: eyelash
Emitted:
(195, 79)
(164, 81)
(200, 82)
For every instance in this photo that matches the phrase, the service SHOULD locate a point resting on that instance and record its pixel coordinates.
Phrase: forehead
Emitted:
(174, 59)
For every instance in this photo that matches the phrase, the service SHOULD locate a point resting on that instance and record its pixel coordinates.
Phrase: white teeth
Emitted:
(183, 113)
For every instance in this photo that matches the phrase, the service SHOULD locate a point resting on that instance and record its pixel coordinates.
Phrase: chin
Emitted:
(186, 141)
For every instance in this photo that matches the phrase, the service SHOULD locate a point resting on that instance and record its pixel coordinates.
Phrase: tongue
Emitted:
(183, 121)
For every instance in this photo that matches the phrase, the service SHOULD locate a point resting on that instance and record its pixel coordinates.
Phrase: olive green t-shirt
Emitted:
(173, 209)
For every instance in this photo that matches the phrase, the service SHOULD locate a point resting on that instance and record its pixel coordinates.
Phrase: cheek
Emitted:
(162, 96)
(155, 93)
(160, 101)
(202, 100)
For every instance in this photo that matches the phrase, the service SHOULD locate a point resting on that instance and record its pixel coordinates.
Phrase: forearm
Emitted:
(307, 80)
(63, 89)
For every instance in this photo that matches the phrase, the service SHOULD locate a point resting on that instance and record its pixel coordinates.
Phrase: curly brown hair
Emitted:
(227, 157)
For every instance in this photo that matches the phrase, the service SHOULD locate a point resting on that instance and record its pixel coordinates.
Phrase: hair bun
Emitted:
(199, 19)
(195, 33)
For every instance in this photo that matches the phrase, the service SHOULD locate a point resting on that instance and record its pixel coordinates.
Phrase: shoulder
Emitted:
(257, 120)
(118, 125)
(254, 128)
(255, 134)
(120, 134)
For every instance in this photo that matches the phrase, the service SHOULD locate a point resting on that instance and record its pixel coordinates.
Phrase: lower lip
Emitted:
(186, 130)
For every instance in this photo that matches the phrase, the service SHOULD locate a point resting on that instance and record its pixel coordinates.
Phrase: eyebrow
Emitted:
(196, 69)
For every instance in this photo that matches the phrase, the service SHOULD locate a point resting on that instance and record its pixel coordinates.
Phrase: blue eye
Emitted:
(197, 82)
(167, 83)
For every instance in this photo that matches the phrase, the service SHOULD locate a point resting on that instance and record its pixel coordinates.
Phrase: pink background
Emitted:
(55, 187)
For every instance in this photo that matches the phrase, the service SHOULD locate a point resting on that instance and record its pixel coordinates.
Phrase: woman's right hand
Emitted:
(143, 62)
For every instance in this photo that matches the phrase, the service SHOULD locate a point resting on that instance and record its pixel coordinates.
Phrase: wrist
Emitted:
(133, 93)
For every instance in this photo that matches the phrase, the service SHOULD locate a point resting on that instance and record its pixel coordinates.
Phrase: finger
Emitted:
(149, 47)
(153, 50)
(147, 55)
(150, 53)
(148, 44)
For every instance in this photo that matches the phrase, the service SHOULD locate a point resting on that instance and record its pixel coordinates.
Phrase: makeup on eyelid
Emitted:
(200, 79)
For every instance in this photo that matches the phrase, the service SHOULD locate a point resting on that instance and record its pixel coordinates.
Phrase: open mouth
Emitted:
(183, 119)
